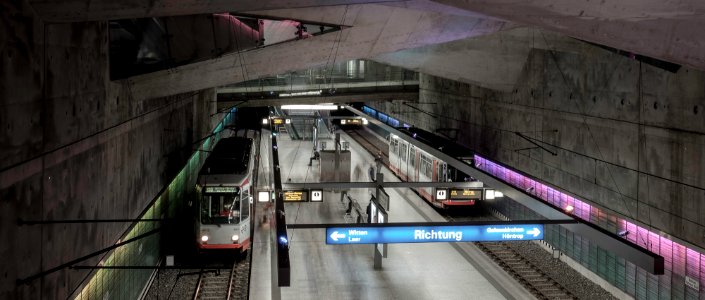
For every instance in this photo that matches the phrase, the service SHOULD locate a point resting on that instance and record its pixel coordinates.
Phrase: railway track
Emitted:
(215, 284)
(529, 275)
(370, 146)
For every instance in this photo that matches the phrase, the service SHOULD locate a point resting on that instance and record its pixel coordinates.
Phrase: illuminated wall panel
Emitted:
(681, 263)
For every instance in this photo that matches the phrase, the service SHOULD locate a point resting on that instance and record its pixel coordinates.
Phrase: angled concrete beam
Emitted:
(318, 86)
(410, 96)
(100, 10)
(375, 29)
(496, 60)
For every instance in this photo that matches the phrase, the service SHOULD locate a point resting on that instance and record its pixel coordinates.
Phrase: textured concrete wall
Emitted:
(628, 136)
(76, 146)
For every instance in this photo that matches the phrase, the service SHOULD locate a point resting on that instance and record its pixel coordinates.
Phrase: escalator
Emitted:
(303, 122)
(290, 129)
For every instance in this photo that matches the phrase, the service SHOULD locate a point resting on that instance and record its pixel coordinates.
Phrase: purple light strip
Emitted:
(676, 256)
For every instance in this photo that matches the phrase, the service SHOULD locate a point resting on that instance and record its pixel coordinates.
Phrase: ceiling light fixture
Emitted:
(310, 107)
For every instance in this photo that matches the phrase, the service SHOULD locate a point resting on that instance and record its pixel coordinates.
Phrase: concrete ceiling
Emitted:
(494, 61)
(663, 29)
(373, 30)
(413, 34)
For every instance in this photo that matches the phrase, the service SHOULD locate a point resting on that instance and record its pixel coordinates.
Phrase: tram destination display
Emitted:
(221, 189)
(465, 194)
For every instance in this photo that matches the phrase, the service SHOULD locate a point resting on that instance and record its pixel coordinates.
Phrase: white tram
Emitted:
(225, 190)
(413, 164)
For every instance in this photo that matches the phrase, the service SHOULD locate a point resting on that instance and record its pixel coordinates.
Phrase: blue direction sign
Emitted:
(431, 234)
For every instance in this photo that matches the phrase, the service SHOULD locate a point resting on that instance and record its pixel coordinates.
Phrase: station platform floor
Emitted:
(410, 271)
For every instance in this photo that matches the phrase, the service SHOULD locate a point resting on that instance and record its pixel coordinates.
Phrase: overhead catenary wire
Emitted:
(336, 46)
(178, 98)
(544, 142)
(243, 68)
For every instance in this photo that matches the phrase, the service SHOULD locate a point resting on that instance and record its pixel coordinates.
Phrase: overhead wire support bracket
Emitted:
(527, 148)
(537, 145)
(80, 259)
(421, 110)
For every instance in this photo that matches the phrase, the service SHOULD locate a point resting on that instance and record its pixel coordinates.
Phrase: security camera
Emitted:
(623, 233)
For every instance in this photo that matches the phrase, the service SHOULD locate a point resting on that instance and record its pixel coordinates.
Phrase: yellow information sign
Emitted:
(295, 196)
(277, 121)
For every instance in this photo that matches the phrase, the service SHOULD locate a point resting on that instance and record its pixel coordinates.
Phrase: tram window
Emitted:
(402, 151)
(395, 146)
(412, 156)
(220, 209)
(426, 168)
(422, 164)
(245, 208)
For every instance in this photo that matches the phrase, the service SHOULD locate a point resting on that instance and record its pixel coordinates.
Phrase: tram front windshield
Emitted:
(220, 208)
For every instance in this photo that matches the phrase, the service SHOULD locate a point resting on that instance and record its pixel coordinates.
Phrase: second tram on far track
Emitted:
(413, 164)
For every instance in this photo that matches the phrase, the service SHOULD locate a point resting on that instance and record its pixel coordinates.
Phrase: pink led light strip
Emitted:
(676, 256)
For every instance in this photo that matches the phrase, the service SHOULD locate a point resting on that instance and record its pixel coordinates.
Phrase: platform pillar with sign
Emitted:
(377, 258)
(380, 216)
(375, 211)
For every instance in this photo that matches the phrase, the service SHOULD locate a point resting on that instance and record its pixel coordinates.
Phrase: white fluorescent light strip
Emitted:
(306, 93)
(309, 107)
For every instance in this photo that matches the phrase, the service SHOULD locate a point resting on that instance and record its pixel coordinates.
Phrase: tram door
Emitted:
(403, 164)
(413, 170)
(245, 216)
(441, 170)
(394, 153)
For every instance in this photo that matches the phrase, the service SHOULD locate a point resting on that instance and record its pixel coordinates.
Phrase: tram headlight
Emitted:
(204, 238)
(235, 237)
